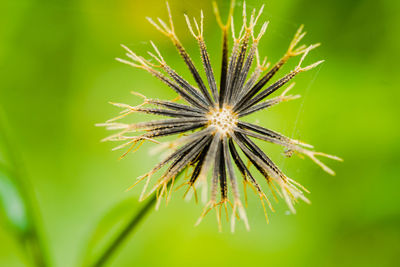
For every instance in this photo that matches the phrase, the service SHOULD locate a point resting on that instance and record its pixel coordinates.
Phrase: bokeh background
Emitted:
(58, 73)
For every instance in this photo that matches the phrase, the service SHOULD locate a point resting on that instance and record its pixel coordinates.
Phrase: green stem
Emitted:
(32, 241)
(35, 249)
(123, 235)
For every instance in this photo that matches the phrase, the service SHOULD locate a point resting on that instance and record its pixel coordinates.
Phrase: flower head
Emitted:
(215, 138)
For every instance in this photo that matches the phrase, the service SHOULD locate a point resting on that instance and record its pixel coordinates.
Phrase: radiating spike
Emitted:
(218, 171)
(268, 135)
(241, 106)
(180, 163)
(185, 56)
(271, 102)
(177, 78)
(174, 106)
(144, 65)
(224, 64)
(235, 188)
(204, 55)
(267, 77)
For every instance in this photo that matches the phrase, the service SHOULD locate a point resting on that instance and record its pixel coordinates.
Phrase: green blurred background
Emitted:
(58, 72)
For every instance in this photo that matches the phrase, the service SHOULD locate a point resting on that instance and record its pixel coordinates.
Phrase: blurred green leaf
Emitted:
(13, 205)
(109, 226)
(118, 220)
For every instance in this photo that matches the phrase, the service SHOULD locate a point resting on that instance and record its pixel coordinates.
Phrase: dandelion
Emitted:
(213, 137)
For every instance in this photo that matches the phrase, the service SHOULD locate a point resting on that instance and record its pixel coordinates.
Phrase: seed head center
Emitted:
(223, 119)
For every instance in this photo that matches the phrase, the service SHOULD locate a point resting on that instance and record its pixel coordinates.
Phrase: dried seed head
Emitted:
(222, 140)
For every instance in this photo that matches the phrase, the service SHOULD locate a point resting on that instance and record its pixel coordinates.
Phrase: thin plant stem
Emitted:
(124, 234)
(32, 242)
